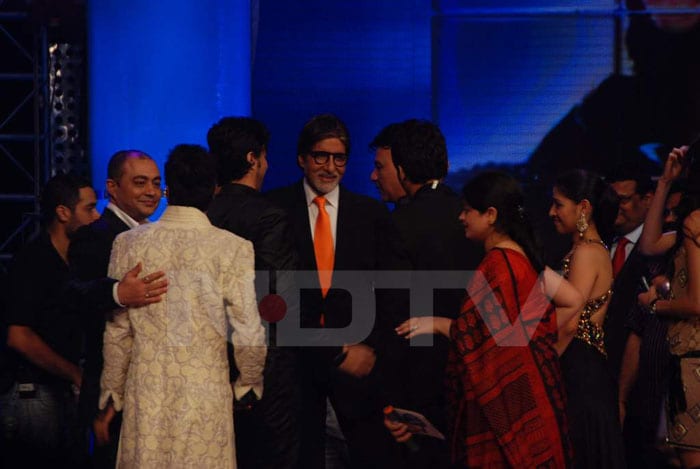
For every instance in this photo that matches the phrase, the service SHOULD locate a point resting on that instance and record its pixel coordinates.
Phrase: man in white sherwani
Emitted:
(166, 364)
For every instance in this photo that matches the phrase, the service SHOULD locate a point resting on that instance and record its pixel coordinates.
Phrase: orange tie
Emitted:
(619, 257)
(323, 246)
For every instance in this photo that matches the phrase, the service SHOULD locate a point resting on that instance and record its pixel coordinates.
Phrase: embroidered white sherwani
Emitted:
(166, 364)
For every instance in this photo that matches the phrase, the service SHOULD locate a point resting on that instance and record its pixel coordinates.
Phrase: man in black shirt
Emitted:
(38, 410)
(267, 435)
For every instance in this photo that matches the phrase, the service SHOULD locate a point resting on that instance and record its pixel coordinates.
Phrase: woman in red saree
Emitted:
(506, 396)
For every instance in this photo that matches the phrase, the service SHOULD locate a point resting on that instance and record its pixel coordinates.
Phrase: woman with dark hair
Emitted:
(681, 302)
(584, 206)
(505, 389)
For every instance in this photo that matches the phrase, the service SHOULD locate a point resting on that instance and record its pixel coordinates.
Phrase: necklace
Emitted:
(594, 241)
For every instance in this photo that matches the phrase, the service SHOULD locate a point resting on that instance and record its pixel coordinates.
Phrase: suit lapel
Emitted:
(115, 224)
(303, 230)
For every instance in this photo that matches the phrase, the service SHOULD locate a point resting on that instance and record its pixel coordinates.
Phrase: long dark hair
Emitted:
(579, 184)
(502, 192)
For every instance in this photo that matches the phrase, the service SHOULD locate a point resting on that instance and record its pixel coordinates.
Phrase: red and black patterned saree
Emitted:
(506, 394)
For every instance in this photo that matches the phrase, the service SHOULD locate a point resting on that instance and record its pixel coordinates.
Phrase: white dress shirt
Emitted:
(633, 237)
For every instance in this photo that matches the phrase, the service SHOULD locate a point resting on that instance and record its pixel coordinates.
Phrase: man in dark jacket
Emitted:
(435, 242)
(267, 434)
(342, 239)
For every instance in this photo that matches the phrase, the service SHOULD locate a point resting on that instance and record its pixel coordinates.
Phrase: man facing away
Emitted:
(336, 230)
(133, 185)
(267, 435)
(166, 364)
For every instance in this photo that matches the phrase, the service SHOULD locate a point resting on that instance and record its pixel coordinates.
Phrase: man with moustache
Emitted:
(133, 185)
(336, 230)
(267, 434)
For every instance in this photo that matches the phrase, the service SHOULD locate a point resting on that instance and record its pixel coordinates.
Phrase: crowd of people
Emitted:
(298, 315)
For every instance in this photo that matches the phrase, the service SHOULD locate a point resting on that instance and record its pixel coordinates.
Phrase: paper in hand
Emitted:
(417, 423)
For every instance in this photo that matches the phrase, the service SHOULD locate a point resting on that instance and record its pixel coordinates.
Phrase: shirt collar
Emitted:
(331, 198)
(634, 235)
(123, 216)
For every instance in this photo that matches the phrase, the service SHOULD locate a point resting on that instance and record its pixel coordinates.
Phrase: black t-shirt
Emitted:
(38, 297)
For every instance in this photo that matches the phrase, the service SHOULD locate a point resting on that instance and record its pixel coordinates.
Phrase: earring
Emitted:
(581, 225)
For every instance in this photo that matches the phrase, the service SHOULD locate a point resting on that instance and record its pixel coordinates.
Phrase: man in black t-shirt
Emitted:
(38, 408)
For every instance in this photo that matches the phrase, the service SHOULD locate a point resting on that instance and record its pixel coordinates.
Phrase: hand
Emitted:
(416, 326)
(359, 360)
(398, 430)
(674, 164)
(135, 292)
(100, 425)
(645, 298)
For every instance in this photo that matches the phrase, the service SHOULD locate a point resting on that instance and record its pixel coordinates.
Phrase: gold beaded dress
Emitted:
(591, 405)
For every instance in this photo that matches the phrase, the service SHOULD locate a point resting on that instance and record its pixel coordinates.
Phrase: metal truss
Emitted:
(24, 124)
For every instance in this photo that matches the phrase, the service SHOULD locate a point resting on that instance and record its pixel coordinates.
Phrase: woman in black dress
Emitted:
(584, 207)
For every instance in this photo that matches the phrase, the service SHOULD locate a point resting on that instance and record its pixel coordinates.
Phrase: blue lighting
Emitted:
(161, 72)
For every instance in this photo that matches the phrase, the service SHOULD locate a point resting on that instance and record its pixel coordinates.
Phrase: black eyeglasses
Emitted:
(322, 157)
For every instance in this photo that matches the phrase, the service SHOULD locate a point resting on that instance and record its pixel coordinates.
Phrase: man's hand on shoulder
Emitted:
(134, 292)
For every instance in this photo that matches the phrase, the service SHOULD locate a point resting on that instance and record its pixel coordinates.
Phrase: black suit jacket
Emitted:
(626, 287)
(366, 241)
(88, 255)
(434, 240)
(245, 212)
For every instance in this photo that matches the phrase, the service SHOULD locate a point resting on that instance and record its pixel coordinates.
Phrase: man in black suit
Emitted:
(629, 266)
(336, 230)
(434, 239)
(635, 192)
(268, 434)
(644, 372)
(133, 184)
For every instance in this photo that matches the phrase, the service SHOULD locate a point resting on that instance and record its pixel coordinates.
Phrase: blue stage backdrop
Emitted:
(161, 72)
(496, 75)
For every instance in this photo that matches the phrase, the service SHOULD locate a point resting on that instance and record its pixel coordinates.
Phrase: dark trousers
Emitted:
(268, 435)
(39, 427)
(359, 412)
